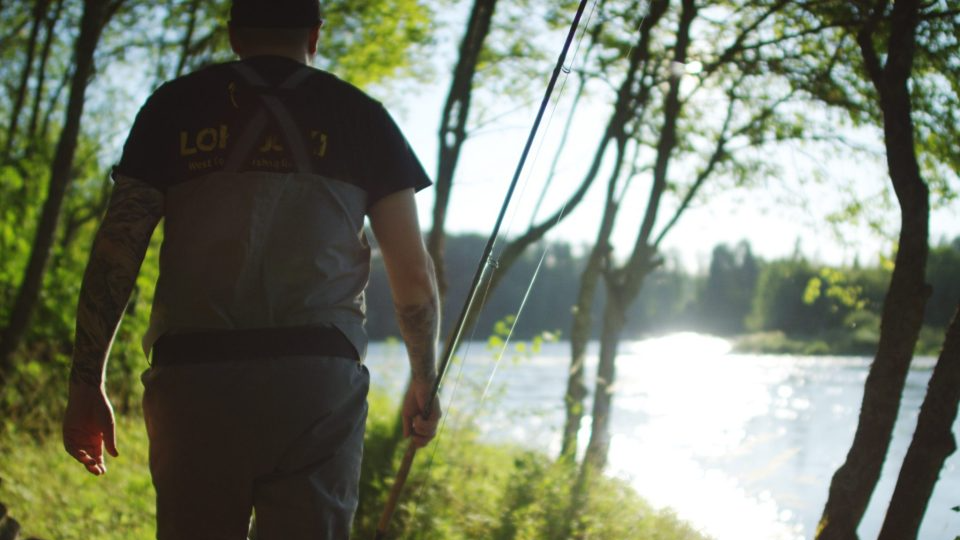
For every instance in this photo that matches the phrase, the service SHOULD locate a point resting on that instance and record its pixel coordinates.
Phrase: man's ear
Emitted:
(312, 40)
(235, 43)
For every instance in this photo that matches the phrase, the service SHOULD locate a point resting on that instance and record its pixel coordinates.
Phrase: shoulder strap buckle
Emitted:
(280, 113)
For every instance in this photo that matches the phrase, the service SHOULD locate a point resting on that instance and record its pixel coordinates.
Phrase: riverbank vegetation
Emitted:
(695, 98)
(467, 489)
(793, 305)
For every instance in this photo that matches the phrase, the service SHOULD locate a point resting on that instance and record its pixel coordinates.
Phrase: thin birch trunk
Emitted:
(933, 442)
(187, 40)
(853, 483)
(38, 91)
(39, 9)
(96, 13)
(453, 128)
(624, 284)
(630, 102)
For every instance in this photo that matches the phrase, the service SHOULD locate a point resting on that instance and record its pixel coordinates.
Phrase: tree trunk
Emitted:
(187, 40)
(52, 104)
(453, 128)
(629, 100)
(96, 13)
(42, 74)
(580, 330)
(452, 134)
(624, 111)
(853, 483)
(39, 10)
(624, 284)
(11, 35)
(582, 324)
(932, 443)
(614, 318)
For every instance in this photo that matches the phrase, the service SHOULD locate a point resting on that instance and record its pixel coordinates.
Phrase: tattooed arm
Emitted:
(118, 249)
(413, 285)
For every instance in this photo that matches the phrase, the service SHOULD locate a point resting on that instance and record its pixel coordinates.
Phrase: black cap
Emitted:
(275, 13)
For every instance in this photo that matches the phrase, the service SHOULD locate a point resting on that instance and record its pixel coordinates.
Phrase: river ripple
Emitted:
(743, 446)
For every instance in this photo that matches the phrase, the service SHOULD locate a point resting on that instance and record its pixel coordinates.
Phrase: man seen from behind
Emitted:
(263, 171)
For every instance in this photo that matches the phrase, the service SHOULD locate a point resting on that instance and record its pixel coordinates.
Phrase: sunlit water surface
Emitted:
(743, 446)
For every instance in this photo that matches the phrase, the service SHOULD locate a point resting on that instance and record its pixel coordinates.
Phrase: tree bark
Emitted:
(39, 10)
(453, 128)
(853, 483)
(624, 284)
(52, 104)
(580, 330)
(624, 111)
(42, 74)
(630, 100)
(932, 443)
(614, 318)
(11, 35)
(187, 41)
(96, 14)
(581, 327)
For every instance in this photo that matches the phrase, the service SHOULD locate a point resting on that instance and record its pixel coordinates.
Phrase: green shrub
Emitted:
(55, 498)
(463, 489)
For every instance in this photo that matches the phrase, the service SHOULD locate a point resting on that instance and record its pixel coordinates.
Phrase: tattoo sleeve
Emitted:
(420, 327)
(118, 250)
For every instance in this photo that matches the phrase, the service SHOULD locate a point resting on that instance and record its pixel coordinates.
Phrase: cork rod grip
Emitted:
(395, 491)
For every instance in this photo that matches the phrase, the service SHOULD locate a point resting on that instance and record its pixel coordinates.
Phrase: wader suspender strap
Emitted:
(275, 107)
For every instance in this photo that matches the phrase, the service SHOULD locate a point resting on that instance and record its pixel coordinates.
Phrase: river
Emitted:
(741, 445)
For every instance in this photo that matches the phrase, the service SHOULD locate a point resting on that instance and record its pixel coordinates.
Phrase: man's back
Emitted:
(257, 233)
(264, 171)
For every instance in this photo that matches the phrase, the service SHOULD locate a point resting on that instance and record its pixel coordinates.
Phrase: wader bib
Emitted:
(247, 250)
(255, 399)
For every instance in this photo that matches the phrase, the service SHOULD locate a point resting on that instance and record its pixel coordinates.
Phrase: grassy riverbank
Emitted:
(472, 490)
(862, 342)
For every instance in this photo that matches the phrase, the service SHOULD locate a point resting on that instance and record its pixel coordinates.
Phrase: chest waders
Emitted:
(262, 263)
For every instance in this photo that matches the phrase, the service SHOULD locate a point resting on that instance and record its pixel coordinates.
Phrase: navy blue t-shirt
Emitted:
(190, 126)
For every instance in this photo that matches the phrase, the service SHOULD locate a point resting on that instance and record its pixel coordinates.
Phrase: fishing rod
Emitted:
(487, 264)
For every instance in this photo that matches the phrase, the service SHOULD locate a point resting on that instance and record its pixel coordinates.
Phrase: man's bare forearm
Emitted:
(420, 327)
(118, 251)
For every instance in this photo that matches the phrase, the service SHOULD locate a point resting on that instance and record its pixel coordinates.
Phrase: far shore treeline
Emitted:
(789, 305)
(683, 102)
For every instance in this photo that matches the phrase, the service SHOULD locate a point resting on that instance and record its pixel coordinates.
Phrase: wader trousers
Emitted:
(280, 436)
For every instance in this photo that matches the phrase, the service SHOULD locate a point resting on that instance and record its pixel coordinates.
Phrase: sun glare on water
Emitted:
(683, 345)
(689, 403)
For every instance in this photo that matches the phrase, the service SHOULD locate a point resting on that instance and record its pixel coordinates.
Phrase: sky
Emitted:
(777, 215)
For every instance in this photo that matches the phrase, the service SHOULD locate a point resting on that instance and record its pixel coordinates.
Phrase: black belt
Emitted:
(229, 345)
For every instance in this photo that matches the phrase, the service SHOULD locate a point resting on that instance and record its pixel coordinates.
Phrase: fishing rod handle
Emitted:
(395, 491)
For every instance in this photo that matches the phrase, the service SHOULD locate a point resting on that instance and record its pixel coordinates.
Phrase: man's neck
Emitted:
(299, 56)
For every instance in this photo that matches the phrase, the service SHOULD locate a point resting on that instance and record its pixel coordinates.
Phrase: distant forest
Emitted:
(785, 305)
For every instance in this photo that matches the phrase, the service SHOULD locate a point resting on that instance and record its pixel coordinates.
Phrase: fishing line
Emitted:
(551, 174)
(548, 247)
(536, 155)
(634, 172)
(468, 308)
(573, 107)
(560, 215)
(493, 264)
(449, 406)
(532, 281)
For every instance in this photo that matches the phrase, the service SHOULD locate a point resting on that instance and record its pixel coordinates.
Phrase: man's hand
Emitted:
(88, 426)
(421, 430)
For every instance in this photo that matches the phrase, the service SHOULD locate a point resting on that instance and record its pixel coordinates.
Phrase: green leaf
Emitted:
(812, 292)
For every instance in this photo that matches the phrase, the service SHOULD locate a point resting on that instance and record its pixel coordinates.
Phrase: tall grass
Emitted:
(467, 489)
